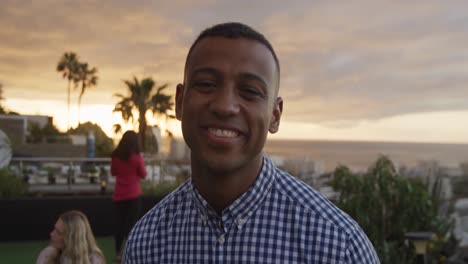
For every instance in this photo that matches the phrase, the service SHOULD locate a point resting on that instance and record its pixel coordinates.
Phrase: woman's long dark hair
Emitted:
(128, 145)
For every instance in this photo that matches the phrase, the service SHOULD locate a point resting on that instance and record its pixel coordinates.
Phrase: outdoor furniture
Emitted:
(420, 240)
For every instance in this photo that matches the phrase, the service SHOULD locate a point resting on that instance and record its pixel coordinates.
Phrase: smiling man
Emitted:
(237, 207)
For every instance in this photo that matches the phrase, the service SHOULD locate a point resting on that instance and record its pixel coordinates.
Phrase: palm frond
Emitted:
(142, 98)
(117, 128)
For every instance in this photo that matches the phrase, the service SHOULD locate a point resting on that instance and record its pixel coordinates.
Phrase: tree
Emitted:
(117, 128)
(11, 184)
(2, 110)
(387, 205)
(38, 134)
(35, 134)
(51, 133)
(88, 78)
(142, 99)
(68, 65)
(1, 92)
(104, 144)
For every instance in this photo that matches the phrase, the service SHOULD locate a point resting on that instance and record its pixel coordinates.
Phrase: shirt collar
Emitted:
(242, 209)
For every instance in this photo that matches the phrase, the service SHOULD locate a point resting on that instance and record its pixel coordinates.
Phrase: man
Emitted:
(237, 207)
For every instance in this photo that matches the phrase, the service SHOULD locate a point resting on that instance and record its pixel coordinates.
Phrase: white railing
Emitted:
(65, 170)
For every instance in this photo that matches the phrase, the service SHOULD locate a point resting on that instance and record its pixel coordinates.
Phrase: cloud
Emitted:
(342, 63)
(120, 38)
(362, 65)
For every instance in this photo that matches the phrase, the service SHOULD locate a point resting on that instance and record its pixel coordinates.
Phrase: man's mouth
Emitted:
(224, 133)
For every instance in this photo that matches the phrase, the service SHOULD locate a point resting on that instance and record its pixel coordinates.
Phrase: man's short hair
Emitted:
(234, 30)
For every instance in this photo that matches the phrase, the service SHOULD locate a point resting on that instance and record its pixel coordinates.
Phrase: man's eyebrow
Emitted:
(218, 74)
(208, 70)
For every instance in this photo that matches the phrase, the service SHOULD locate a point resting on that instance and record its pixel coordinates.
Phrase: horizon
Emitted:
(369, 141)
(379, 72)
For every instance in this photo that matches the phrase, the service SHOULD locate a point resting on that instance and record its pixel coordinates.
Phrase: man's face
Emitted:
(228, 102)
(57, 236)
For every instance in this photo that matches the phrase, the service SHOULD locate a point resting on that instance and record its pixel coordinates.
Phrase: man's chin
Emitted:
(225, 165)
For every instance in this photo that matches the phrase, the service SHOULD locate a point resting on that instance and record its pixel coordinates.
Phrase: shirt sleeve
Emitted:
(127, 257)
(360, 249)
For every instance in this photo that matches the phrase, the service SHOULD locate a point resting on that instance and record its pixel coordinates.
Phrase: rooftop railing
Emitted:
(66, 170)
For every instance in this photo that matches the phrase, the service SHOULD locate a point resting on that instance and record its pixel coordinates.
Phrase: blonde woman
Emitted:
(71, 241)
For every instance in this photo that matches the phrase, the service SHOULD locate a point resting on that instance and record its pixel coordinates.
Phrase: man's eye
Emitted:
(251, 93)
(204, 86)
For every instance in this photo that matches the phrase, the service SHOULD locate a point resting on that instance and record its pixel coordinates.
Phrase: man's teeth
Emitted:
(223, 132)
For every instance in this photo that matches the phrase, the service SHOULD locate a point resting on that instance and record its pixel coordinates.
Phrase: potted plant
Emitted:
(93, 174)
(11, 185)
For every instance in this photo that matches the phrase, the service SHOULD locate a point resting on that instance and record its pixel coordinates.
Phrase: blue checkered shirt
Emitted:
(278, 220)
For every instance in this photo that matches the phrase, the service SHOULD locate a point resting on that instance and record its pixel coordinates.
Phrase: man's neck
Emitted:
(221, 189)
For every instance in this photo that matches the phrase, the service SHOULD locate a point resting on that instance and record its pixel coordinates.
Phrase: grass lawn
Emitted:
(27, 251)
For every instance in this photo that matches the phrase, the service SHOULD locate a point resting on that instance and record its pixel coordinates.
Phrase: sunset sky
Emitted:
(351, 70)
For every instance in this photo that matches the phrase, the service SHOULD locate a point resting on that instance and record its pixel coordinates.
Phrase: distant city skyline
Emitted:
(355, 70)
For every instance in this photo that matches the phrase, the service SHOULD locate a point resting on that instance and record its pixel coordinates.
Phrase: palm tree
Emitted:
(1, 91)
(88, 78)
(117, 128)
(142, 99)
(2, 110)
(68, 65)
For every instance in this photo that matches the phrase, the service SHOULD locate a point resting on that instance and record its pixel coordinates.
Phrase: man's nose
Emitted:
(225, 102)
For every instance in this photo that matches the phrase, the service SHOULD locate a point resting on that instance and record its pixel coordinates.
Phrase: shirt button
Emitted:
(221, 240)
(240, 223)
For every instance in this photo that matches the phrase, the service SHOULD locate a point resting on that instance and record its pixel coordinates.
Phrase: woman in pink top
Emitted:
(128, 167)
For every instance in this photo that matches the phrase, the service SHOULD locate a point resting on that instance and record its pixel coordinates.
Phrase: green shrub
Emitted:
(387, 205)
(11, 185)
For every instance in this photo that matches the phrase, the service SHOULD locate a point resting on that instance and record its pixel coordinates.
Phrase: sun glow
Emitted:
(97, 113)
(422, 127)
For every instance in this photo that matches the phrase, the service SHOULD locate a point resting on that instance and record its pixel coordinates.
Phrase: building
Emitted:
(16, 126)
(17, 129)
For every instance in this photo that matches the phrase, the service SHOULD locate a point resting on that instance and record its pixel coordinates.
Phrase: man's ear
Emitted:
(179, 100)
(276, 117)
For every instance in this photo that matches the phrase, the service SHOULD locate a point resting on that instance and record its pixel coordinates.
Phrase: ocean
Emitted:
(359, 155)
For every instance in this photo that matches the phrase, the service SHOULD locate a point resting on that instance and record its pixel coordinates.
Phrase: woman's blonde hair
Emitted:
(79, 240)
